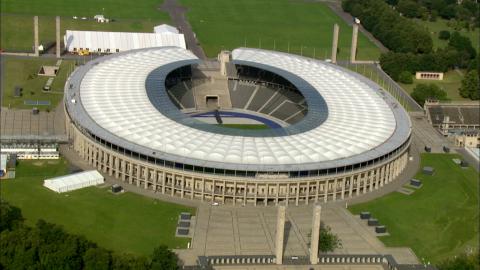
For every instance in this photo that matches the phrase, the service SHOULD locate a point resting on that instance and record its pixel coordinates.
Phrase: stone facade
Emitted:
(235, 190)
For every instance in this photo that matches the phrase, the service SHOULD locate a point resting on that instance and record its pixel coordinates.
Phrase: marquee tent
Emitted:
(74, 181)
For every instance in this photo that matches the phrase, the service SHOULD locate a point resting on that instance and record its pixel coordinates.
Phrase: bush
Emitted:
(469, 88)
(444, 34)
(422, 92)
(405, 77)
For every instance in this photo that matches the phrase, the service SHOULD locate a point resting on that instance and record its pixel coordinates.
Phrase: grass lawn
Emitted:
(440, 219)
(452, 81)
(16, 18)
(125, 223)
(23, 72)
(246, 126)
(435, 27)
(222, 24)
(17, 29)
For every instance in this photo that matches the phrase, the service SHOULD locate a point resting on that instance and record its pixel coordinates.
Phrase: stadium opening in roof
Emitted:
(255, 126)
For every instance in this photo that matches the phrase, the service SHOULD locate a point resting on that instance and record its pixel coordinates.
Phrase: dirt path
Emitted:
(177, 14)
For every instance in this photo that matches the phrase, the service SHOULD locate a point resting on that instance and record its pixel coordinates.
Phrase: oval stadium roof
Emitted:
(363, 121)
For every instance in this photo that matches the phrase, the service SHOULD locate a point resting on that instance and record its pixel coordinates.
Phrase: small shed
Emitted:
(365, 215)
(35, 111)
(48, 71)
(428, 149)
(74, 181)
(428, 170)
(381, 229)
(415, 182)
(373, 222)
(117, 188)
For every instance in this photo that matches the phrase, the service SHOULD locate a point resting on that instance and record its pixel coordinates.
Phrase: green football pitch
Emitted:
(439, 220)
(301, 27)
(125, 223)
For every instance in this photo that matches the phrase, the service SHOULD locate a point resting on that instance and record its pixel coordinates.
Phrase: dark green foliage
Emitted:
(422, 92)
(463, 45)
(405, 77)
(462, 262)
(48, 246)
(444, 34)
(163, 259)
(328, 240)
(397, 33)
(10, 216)
(409, 8)
(470, 85)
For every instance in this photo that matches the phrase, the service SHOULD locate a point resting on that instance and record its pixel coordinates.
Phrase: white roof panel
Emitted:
(114, 95)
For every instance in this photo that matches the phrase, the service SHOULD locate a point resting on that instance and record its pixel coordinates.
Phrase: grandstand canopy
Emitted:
(350, 119)
(111, 42)
(74, 181)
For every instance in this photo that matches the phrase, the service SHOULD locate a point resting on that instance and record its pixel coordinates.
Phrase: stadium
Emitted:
(161, 119)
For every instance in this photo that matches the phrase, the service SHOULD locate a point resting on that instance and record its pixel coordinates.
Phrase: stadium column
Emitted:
(335, 43)
(287, 196)
(155, 180)
(382, 178)
(164, 181)
(325, 195)
(307, 194)
(335, 189)
(213, 190)
(377, 177)
(354, 43)
(245, 193)
(147, 177)
(297, 197)
(122, 165)
(365, 182)
(192, 187)
(280, 233)
(57, 20)
(371, 179)
(182, 185)
(203, 190)
(359, 183)
(350, 185)
(256, 192)
(35, 35)
(317, 189)
(315, 235)
(344, 181)
(130, 172)
(117, 164)
(110, 164)
(139, 173)
(174, 180)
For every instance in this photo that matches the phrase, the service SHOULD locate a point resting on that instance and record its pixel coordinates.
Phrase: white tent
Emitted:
(74, 181)
(111, 42)
(165, 28)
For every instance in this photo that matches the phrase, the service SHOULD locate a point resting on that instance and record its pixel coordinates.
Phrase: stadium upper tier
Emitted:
(121, 99)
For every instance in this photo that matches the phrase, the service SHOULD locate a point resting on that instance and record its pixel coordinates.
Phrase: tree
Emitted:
(10, 216)
(409, 8)
(461, 262)
(163, 259)
(405, 77)
(328, 240)
(444, 34)
(462, 44)
(422, 92)
(470, 87)
(97, 259)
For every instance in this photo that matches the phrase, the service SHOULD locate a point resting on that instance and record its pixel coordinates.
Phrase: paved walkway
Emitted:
(177, 14)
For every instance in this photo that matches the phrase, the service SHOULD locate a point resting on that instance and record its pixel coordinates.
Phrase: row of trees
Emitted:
(465, 11)
(397, 33)
(48, 246)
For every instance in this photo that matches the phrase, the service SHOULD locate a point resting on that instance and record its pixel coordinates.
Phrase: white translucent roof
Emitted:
(74, 181)
(113, 93)
(123, 41)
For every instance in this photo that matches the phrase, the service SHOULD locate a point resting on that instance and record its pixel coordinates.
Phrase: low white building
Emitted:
(112, 42)
(31, 151)
(74, 181)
